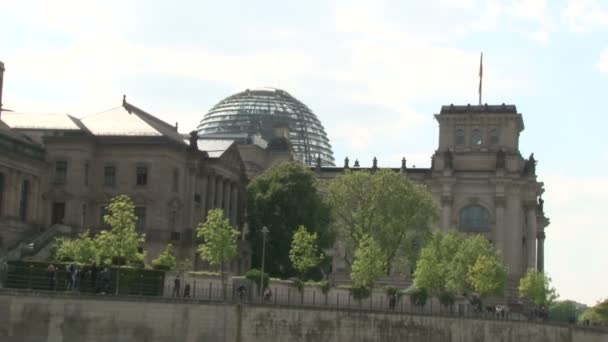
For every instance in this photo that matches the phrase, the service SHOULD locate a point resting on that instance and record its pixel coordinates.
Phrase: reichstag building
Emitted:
(58, 172)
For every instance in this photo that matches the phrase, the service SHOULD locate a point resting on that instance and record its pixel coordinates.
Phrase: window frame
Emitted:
(106, 175)
(477, 221)
(141, 178)
(60, 177)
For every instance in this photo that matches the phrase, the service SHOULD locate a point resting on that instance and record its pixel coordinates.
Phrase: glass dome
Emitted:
(257, 111)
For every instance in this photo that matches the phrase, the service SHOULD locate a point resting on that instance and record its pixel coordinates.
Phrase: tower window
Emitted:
(459, 137)
(474, 218)
(140, 215)
(476, 137)
(493, 136)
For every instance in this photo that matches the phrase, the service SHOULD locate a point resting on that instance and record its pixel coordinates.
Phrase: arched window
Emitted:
(474, 218)
(459, 137)
(476, 137)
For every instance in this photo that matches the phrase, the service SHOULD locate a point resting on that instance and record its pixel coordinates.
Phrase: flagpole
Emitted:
(480, 76)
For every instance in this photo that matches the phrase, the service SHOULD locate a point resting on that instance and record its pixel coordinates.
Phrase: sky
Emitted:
(374, 72)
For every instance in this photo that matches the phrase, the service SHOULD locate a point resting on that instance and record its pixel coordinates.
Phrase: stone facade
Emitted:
(481, 183)
(172, 181)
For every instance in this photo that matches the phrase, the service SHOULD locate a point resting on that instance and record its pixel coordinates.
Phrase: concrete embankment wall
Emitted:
(59, 318)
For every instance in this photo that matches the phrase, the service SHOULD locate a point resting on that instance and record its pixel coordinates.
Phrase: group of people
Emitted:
(177, 288)
(99, 278)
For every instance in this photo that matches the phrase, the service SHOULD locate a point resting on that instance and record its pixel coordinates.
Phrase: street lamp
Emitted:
(264, 233)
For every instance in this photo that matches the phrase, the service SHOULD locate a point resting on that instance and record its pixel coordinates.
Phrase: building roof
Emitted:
(215, 148)
(52, 121)
(128, 120)
(482, 109)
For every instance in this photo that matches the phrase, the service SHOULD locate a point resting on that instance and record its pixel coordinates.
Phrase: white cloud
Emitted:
(575, 244)
(602, 65)
(528, 9)
(586, 15)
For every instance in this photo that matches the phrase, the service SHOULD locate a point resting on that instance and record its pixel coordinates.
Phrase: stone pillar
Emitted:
(540, 258)
(446, 212)
(219, 192)
(203, 193)
(211, 195)
(500, 231)
(234, 206)
(15, 194)
(531, 235)
(226, 201)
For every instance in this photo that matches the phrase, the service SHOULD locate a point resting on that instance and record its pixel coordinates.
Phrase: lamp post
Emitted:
(264, 233)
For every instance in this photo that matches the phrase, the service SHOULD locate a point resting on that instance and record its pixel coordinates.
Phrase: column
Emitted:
(226, 201)
(531, 235)
(203, 193)
(446, 212)
(500, 232)
(219, 192)
(540, 259)
(211, 194)
(234, 206)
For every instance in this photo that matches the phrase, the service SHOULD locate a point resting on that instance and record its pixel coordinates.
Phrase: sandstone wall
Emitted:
(63, 318)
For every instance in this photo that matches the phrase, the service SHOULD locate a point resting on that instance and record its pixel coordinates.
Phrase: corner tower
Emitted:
(485, 186)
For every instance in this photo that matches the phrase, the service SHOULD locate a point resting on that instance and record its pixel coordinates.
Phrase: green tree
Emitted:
(166, 259)
(536, 287)
(81, 250)
(122, 241)
(219, 240)
(453, 263)
(488, 275)
(368, 264)
(564, 311)
(385, 205)
(283, 198)
(602, 309)
(304, 253)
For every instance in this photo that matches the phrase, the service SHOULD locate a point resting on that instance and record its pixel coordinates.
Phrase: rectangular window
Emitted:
(1, 192)
(141, 175)
(86, 173)
(175, 179)
(103, 211)
(25, 192)
(175, 236)
(109, 176)
(140, 214)
(61, 171)
(84, 215)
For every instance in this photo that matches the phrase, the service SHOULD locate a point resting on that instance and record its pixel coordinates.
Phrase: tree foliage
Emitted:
(385, 205)
(564, 311)
(219, 238)
(304, 253)
(369, 263)
(536, 287)
(80, 250)
(283, 198)
(122, 240)
(166, 259)
(454, 263)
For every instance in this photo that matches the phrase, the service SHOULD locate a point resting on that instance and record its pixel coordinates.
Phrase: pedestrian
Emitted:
(241, 291)
(94, 271)
(68, 276)
(187, 291)
(176, 286)
(51, 275)
(267, 294)
(75, 277)
(105, 281)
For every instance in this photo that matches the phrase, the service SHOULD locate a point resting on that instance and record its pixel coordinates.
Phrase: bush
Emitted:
(255, 275)
(418, 296)
(360, 292)
(299, 284)
(446, 298)
(165, 260)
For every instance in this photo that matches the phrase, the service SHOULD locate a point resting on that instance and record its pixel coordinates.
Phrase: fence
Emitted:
(151, 283)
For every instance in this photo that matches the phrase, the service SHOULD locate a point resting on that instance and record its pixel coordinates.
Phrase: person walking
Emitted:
(68, 276)
(51, 273)
(176, 286)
